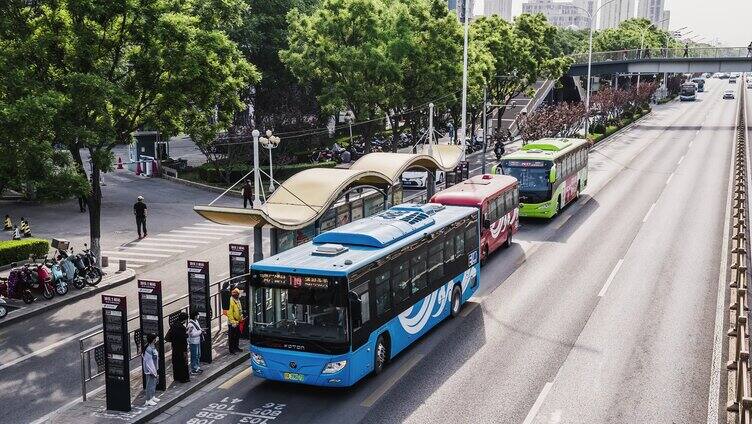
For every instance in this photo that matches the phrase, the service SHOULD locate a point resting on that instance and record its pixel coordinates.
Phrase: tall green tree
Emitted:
(633, 34)
(344, 48)
(122, 65)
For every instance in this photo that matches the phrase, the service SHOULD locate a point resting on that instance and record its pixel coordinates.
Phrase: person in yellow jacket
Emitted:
(234, 316)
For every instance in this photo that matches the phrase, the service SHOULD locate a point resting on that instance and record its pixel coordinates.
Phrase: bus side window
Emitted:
(418, 269)
(436, 262)
(493, 213)
(365, 304)
(459, 244)
(516, 197)
(449, 248)
(401, 280)
(471, 239)
(383, 294)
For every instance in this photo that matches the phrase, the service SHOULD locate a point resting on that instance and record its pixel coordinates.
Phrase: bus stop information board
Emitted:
(239, 259)
(150, 317)
(199, 300)
(116, 353)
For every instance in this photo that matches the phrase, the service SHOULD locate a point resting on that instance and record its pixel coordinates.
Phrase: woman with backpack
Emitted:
(150, 364)
(195, 335)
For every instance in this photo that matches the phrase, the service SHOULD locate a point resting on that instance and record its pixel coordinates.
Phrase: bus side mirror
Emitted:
(552, 174)
(355, 311)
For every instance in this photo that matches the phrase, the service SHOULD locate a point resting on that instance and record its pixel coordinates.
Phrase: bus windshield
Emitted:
(531, 174)
(299, 313)
(688, 89)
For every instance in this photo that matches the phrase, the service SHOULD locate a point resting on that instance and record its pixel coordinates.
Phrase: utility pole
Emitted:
(463, 128)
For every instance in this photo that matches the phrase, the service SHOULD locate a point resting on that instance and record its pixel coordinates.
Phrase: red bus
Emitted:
(497, 197)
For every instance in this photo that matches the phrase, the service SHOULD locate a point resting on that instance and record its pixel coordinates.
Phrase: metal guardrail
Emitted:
(740, 401)
(92, 346)
(662, 53)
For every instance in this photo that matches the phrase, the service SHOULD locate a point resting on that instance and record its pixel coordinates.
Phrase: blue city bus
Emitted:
(335, 309)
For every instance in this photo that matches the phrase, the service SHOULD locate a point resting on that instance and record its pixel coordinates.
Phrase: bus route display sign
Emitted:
(116, 353)
(289, 281)
(199, 300)
(150, 318)
(239, 259)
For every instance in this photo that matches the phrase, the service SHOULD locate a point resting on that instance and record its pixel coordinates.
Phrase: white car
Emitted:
(728, 94)
(749, 84)
(417, 179)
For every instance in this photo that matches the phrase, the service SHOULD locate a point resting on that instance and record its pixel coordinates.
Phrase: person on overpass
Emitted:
(247, 193)
(139, 209)
(686, 50)
(749, 49)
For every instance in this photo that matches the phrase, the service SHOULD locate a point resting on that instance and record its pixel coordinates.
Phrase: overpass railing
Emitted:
(740, 390)
(662, 53)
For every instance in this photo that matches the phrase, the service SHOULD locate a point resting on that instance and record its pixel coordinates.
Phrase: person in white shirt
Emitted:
(195, 334)
(150, 363)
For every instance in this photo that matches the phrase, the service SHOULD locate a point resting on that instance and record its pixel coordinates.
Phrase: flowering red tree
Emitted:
(560, 120)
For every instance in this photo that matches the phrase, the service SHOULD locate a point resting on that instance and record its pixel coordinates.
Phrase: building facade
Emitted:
(457, 5)
(654, 11)
(612, 14)
(564, 14)
(503, 8)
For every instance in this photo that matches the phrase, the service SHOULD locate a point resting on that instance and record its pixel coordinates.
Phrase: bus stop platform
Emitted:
(94, 409)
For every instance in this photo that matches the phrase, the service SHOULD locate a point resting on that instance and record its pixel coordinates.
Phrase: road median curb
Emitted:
(37, 308)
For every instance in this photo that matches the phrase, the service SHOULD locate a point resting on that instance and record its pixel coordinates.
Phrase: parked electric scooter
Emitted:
(58, 276)
(68, 270)
(93, 272)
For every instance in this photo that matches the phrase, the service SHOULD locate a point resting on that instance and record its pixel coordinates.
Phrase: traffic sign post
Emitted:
(150, 318)
(116, 353)
(199, 300)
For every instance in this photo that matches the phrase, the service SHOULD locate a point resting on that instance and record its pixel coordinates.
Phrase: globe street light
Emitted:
(270, 142)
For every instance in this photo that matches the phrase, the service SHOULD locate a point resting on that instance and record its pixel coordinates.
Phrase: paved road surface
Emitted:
(604, 314)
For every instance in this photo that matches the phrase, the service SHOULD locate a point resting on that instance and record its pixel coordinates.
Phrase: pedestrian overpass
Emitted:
(655, 61)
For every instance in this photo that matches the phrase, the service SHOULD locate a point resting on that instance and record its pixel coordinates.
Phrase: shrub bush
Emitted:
(208, 174)
(19, 250)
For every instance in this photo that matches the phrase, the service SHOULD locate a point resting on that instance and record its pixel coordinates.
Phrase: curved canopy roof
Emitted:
(304, 197)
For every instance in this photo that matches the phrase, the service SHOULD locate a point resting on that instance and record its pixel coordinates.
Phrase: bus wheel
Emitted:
(380, 355)
(558, 206)
(508, 242)
(456, 301)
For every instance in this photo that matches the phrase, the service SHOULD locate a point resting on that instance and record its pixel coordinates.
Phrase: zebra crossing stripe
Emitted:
(156, 249)
(157, 243)
(197, 234)
(176, 240)
(127, 253)
(221, 231)
(212, 224)
(129, 260)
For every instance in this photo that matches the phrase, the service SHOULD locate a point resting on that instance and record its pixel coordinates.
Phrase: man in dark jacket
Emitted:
(179, 339)
(139, 209)
(247, 194)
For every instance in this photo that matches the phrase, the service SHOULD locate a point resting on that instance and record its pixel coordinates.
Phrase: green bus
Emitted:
(551, 173)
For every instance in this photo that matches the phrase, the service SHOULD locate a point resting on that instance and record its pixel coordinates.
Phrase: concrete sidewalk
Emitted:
(94, 409)
(19, 311)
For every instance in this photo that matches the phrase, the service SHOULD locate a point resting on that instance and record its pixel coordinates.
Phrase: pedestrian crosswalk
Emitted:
(163, 246)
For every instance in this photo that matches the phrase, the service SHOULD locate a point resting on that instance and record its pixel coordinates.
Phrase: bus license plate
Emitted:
(292, 376)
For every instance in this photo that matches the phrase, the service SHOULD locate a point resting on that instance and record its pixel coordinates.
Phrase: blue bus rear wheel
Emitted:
(380, 355)
(456, 301)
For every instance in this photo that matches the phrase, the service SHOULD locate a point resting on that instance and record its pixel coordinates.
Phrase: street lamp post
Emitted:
(270, 142)
(591, 17)
(256, 171)
(466, 8)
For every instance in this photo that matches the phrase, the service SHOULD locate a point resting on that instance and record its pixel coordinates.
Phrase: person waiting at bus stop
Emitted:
(234, 316)
(178, 336)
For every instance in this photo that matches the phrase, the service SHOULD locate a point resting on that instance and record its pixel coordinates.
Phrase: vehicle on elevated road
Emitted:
(688, 92)
(335, 309)
(551, 172)
(700, 82)
(728, 94)
(497, 198)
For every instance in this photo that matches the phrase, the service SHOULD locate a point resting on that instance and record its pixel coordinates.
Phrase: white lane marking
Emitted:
(538, 403)
(154, 249)
(669, 178)
(212, 224)
(175, 240)
(611, 278)
(127, 253)
(188, 234)
(47, 348)
(680, 160)
(197, 234)
(205, 230)
(714, 390)
(647, 215)
(157, 243)
(129, 260)
(374, 397)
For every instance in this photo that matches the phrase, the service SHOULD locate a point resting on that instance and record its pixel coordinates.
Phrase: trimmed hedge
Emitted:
(19, 250)
(207, 173)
